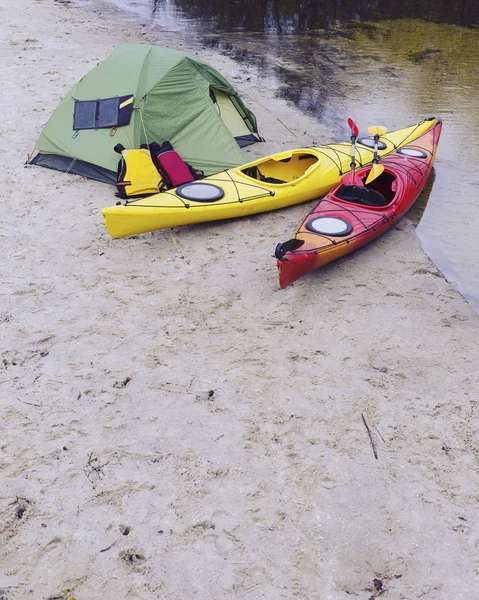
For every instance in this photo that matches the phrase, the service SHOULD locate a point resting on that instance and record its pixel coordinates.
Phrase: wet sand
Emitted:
(174, 426)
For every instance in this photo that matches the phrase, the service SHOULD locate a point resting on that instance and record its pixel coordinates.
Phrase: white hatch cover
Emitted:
(412, 152)
(369, 143)
(329, 226)
(200, 192)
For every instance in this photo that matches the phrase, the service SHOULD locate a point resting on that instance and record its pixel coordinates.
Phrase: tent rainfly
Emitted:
(142, 94)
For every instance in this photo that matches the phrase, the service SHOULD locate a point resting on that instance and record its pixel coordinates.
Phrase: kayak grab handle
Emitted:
(288, 246)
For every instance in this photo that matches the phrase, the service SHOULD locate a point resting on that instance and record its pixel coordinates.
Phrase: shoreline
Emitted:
(447, 261)
(175, 426)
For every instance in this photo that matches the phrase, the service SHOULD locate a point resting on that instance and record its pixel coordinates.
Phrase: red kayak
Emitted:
(351, 216)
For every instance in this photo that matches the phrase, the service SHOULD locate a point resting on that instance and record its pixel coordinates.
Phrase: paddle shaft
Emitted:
(376, 169)
(376, 144)
(353, 153)
(351, 178)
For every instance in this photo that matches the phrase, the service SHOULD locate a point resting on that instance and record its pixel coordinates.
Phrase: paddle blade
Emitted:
(352, 178)
(375, 172)
(353, 127)
(377, 130)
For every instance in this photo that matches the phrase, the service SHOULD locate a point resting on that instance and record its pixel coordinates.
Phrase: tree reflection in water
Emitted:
(299, 16)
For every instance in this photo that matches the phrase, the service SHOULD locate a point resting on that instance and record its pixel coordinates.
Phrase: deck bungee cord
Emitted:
(266, 194)
(328, 239)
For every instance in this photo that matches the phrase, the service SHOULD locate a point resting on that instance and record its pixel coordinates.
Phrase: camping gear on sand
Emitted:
(142, 94)
(351, 215)
(270, 183)
(151, 169)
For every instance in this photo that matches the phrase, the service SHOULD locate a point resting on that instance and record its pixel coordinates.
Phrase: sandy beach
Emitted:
(173, 425)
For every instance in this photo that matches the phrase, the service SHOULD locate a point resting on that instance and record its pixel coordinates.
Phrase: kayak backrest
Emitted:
(386, 184)
(361, 195)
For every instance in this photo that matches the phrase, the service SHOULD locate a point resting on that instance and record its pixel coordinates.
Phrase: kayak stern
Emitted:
(290, 269)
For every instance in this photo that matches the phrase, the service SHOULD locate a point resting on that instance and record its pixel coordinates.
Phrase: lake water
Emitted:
(373, 62)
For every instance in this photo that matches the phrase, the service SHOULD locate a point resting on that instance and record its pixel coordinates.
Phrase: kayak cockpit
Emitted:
(379, 192)
(282, 168)
(361, 195)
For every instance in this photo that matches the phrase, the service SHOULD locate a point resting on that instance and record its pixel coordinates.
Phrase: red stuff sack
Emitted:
(173, 169)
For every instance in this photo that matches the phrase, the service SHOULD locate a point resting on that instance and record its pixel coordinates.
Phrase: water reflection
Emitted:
(300, 16)
(302, 70)
(386, 68)
(416, 212)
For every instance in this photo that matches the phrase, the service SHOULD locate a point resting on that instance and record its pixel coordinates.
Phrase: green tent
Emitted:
(142, 94)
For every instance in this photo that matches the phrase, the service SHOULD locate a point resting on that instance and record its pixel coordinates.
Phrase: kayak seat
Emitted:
(255, 173)
(361, 195)
(271, 180)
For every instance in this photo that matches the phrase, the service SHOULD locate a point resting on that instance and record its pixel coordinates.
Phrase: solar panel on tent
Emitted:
(102, 113)
(84, 116)
(108, 112)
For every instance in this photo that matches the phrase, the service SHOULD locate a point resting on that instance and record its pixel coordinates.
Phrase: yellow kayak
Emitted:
(270, 183)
